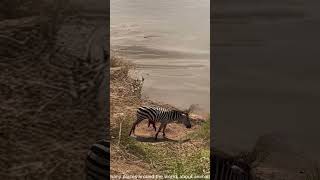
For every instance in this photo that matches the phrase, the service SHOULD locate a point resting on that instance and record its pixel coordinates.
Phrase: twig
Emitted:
(15, 41)
(120, 128)
(20, 23)
(48, 173)
(25, 169)
(48, 102)
(74, 94)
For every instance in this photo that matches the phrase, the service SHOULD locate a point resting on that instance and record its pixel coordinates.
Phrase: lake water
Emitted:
(170, 43)
(267, 76)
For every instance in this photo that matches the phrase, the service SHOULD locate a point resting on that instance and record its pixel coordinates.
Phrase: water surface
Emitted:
(267, 76)
(169, 41)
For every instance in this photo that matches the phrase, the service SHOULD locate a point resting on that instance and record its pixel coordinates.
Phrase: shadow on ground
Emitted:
(151, 139)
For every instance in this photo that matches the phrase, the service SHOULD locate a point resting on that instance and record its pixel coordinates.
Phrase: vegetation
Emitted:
(203, 133)
(313, 172)
(175, 158)
(169, 158)
(51, 126)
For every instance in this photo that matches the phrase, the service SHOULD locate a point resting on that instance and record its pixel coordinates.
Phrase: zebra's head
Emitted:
(185, 119)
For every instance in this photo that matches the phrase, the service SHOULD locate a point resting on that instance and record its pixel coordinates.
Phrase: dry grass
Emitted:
(46, 131)
(180, 157)
(124, 99)
(255, 157)
(260, 154)
(10, 9)
(313, 171)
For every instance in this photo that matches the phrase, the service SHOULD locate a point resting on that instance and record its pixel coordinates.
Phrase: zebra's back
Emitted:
(157, 114)
(97, 162)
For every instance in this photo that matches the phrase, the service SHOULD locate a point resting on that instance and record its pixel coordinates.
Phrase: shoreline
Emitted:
(125, 97)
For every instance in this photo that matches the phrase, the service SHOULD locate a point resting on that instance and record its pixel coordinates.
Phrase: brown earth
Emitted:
(125, 99)
(174, 132)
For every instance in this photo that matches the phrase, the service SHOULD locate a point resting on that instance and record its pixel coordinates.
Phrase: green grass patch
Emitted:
(203, 132)
(167, 158)
(197, 163)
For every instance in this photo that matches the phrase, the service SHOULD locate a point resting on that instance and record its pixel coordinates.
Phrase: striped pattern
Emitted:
(97, 162)
(230, 169)
(162, 115)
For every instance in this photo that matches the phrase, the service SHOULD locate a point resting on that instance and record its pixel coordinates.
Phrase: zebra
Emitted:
(162, 115)
(153, 124)
(97, 162)
(230, 169)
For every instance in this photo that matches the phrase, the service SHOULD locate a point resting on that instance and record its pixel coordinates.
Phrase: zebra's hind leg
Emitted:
(153, 124)
(164, 128)
(161, 126)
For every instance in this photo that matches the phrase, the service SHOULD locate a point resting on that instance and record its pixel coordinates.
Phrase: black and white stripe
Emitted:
(97, 162)
(162, 115)
(230, 169)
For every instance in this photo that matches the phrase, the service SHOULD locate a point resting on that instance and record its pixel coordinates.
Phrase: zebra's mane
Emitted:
(168, 108)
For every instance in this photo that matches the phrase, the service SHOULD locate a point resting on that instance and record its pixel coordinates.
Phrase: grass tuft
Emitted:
(313, 173)
(197, 163)
(203, 132)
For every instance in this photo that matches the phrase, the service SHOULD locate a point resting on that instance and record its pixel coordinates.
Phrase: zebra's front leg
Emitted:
(161, 126)
(164, 128)
(132, 129)
(153, 124)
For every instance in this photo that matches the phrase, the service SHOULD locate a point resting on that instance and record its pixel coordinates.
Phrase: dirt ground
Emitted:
(125, 98)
